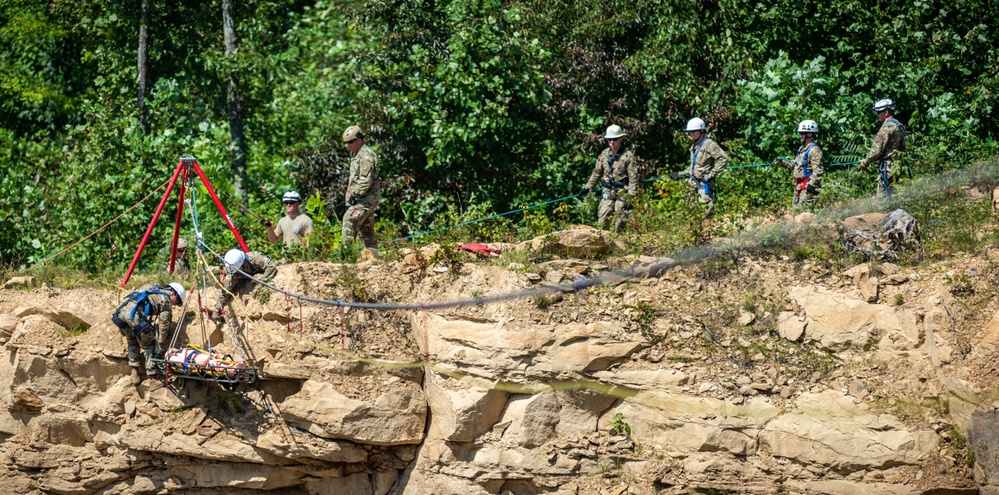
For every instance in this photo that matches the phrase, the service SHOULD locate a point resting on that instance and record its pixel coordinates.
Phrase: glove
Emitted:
(627, 206)
(265, 222)
(777, 161)
(584, 191)
(674, 176)
(810, 189)
(706, 177)
(352, 201)
(864, 163)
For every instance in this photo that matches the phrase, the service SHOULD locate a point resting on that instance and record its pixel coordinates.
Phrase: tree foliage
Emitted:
(472, 105)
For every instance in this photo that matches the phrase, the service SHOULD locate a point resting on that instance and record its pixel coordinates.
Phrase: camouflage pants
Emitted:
(887, 175)
(360, 219)
(705, 194)
(615, 206)
(804, 201)
(145, 347)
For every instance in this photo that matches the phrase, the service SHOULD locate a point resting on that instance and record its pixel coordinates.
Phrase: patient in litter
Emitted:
(192, 361)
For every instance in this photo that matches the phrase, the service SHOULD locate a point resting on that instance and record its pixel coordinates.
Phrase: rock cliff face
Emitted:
(758, 376)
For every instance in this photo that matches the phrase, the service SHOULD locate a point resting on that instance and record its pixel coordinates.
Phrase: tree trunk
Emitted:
(142, 63)
(233, 102)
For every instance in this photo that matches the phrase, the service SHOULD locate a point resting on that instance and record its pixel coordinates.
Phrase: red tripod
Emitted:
(185, 165)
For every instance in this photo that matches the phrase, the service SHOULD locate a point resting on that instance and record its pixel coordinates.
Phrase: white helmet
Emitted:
(808, 126)
(233, 260)
(695, 124)
(179, 290)
(291, 197)
(614, 132)
(884, 103)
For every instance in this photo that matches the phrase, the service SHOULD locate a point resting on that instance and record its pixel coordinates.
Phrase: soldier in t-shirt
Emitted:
(294, 226)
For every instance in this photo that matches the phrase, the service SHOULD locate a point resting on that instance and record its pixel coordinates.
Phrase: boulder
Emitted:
(580, 242)
(835, 321)
(862, 222)
(579, 411)
(8, 323)
(19, 283)
(491, 345)
(790, 326)
(589, 347)
(990, 336)
(461, 411)
(688, 424)
(66, 318)
(829, 429)
(532, 419)
(906, 335)
(394, 417)
(295, 444)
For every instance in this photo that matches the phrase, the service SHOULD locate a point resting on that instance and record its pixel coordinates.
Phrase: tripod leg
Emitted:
(152, 223)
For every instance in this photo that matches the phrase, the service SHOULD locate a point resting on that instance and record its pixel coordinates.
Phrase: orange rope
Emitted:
(113, 220)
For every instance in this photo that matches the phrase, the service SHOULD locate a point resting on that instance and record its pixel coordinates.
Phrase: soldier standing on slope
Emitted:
(363, 191)
(616, 170)
(888, 146)
(707, 160)
(807, 167)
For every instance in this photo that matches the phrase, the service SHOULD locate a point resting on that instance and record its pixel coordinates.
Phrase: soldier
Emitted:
(807, 167)
(363, 191)
(889, 145)
(181, 266)
(616, 170)
(294, 226)
(134, 318)
(239, 268)
(707, 160)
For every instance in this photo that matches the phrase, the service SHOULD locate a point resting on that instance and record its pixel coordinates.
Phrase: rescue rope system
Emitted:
(191, 361)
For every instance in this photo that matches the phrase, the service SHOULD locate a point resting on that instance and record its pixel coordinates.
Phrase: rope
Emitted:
(113, 220)
(581, 284)
(241, 207)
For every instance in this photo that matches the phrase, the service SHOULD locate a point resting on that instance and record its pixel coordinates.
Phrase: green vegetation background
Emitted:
(474, 106)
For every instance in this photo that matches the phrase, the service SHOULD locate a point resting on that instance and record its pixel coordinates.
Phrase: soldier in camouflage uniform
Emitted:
(807, 167)
(233, 281)
(889, 144)
(144, 335)
(616, 170)
(363, 191)
(707, 160)
(181, 266)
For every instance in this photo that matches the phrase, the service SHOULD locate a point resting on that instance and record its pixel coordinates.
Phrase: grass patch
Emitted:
(353, 287)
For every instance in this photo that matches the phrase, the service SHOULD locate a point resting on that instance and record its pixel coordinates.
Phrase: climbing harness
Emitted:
(141, 300)
(802, 184)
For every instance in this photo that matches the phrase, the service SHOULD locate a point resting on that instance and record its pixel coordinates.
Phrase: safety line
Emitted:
(581, 284)
(564, 198)
(88, 236)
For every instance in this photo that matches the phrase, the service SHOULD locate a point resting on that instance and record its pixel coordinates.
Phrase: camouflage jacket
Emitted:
(255, 263)
(619, 174)
(363, 183)
(813, 169)
(160, 307)
(890, 139)
(706, 157)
